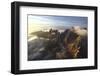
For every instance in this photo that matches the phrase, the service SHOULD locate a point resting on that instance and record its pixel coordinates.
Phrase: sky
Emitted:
(40, 22)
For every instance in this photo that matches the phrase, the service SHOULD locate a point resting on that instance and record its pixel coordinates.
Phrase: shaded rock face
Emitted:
(70, 44)
(76, 42)
(83, 52)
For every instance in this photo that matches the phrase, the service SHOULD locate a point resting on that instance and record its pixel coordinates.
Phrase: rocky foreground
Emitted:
(70, 44)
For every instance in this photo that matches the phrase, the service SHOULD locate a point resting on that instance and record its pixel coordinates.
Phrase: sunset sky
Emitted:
(41, 22)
